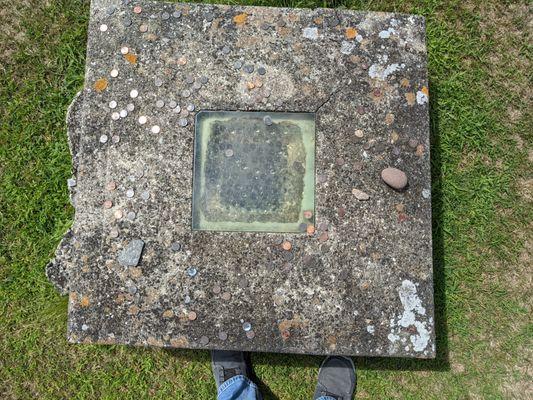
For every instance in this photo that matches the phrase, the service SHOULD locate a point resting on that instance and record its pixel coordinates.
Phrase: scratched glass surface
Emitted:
(253, 171)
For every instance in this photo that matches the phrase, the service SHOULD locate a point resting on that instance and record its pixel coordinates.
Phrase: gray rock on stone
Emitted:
(131, 254)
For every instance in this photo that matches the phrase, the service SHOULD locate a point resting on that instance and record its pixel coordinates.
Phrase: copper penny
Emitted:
(310, 229)
(323, 237)
(216, 289)
(111, 185)
(192, 316)
(137, 9)
(286, 245)
(308, 214)
(108, 204)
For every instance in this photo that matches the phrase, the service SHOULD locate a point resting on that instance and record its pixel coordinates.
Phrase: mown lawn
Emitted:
(480, 86)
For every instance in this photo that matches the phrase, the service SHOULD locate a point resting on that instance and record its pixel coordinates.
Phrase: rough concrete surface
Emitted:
(358, 282)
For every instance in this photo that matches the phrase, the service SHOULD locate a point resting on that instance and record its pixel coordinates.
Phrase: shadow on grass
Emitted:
(441, 361)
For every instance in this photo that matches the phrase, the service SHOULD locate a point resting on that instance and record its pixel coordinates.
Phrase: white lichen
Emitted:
(382, 72)
(310, 33)
(421, 97)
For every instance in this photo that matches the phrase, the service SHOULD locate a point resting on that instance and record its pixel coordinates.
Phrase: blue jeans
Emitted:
(241, 388)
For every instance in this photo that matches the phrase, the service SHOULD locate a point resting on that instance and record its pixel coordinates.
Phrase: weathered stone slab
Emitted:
(355, 278)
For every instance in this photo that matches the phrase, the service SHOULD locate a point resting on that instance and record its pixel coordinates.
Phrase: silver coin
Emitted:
(103, 139)
(131, 215)
(112, 104)
(110, 10)
(189, 79)
(267, 120)
(226, 50)
(190, 107)
(177, 109)
(165, 15)
(142, 120)
(134, 93)
(71, 182)
(123, 113)
(222, 336)
(172, 104)
(145, 195)
(426, 193)
(247, 326)
(115, 138)
(197, 85)
(204, 80)
(130, 107)
(186, 93)
(114, 73)
(248, 68)
(176, 14)
(115, 116)
(159, 103)
(204, 340)
(183, 122)
(126, 21)
(191, 271)
(158, 81)
(130, 193)
(261, 71)
(156, 129)
(237, 64)
(175, 246)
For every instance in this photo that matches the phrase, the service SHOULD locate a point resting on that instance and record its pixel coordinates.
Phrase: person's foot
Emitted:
(227, 364)
(336, 378)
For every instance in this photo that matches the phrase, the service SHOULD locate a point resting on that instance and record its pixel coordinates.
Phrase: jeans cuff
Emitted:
(230, 381)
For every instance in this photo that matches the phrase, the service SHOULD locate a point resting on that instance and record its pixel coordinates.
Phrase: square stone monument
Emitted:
(251, 178)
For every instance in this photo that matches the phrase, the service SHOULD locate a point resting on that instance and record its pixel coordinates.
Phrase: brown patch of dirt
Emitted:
(12, 34)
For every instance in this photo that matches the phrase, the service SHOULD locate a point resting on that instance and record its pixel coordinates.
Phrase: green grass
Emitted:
(479, 62)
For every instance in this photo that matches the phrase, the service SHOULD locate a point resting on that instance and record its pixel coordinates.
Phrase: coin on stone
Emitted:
(182, 61)
(137, 9)
(142, 120)
(159, 103)
(113, 233)
(226, 296)
(103, 139)
(123, 113)
(165, 15)
(247, 326)
(176, 14)
(112, 104)
(190, 107)
(134, 93)
(267, 120)
(172, 104)
(103, 28)
(114, 73)
(183, 122)
(216, 289)
(310, 229)
(222, 336)
(286, 245)
(115, 138)
(228, 152)
(130, 193)
(156, 129)
(118, 214)
(124, 50)
(111, 185)
(130, 107)
(192, 316)
(250, 334)
(131, 215)
(308, 214)
(204, 340)
(108, 204)
(145, 195)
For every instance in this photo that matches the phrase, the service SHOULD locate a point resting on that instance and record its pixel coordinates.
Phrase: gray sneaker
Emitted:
(336, 378)
(227, 364)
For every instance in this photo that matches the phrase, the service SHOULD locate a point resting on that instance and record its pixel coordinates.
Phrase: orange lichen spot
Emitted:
(180, 341)
(389, 119)
(411, 98)
(420, 150)
(405, 83)
(425, 90)
(394, 137)
(133, 310)
(250, 85)
(318, 20)
(100, 85)
(131, 58)
(168, 314)
(240, 19)
(350, 33)
(84, 302)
